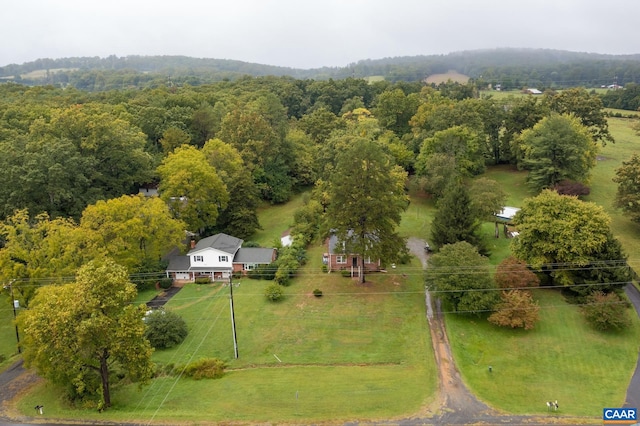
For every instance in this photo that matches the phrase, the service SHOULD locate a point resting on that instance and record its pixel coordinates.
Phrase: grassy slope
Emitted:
(368, 345)
(562, 358)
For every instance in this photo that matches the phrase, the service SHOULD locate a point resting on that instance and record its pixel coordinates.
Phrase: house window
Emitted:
(367, 260)
(341, 258)
(223, 258)
(198, 259)
(249, 266)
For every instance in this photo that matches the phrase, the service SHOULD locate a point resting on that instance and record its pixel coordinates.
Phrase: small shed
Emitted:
(507, 213)
(505, 216)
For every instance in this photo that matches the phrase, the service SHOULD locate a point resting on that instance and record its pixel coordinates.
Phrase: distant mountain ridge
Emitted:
(533, 67)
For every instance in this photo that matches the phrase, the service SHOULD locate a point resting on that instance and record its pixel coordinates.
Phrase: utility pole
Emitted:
(233, 317)
(15, 303)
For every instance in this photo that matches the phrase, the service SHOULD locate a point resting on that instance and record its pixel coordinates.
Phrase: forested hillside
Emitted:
(512, 68)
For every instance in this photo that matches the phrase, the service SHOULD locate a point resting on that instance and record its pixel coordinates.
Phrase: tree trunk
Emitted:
(104, 375)
(361, 275)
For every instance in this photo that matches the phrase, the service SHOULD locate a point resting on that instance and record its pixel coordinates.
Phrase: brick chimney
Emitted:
(193, 244)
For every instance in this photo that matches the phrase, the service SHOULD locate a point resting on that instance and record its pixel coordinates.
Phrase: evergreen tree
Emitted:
(455, 219)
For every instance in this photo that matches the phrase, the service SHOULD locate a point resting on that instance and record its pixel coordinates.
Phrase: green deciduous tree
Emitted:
(606, 311)
(394, 110)
(556, 149)
(192, 188)
(40, 250)
(135, 231)
(367, 197)
(239, 218)
(76, 334)
(628, 194)
(458, 143)
(558, 232)
(487, 197)
(521, 113)
(459, 275)
(173, 138)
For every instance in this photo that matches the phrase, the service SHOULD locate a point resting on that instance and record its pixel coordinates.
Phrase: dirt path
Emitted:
(457, 405)
(455, 398)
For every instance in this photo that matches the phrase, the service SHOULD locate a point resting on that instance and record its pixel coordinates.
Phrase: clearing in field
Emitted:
(450, 75)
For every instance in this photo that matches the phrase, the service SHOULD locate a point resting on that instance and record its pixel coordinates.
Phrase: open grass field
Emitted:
(562, 358)
(360, 351)
(450, 75)
(276, 219)
(603, 189)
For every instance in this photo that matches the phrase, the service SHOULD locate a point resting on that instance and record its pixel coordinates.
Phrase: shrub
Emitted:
(606, 311)
(165, 283)
(569, 187)
(203, 280)
(142, 285)
(206, 368)
(317, 292)
(273, 292)
(325, 268)
(263, 272)
(165, 329)
(345, 273)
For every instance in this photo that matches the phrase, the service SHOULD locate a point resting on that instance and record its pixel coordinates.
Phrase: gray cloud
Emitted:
(310, 33)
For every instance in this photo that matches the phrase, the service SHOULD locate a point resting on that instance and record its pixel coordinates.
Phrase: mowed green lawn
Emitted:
(561, 359)
(358, 352)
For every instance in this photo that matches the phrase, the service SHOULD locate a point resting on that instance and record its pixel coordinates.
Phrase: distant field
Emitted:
(374, 78)
(443, 78)
(37, 74)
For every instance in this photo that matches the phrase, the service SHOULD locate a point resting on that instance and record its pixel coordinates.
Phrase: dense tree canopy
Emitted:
(192, 188)
(134, 230)
(39, 250)
(76, 334)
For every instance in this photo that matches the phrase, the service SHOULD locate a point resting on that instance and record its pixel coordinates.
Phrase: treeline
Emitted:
(511, 68)
(261, 138)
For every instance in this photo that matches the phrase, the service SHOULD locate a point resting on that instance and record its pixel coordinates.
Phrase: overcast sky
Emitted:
(310, 33)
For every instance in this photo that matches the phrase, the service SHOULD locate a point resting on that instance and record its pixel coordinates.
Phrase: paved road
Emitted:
(633, 392)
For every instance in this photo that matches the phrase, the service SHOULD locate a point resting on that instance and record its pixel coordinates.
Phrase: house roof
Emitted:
(507, 213)
(178, 263)
(254, 255)
(222, 242)
(333, 241)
